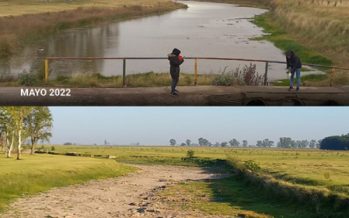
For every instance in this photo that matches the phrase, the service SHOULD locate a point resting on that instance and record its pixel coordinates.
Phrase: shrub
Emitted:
(190, 154)
(5, 48)
(28, 79)
(240, 76)
(251, 165)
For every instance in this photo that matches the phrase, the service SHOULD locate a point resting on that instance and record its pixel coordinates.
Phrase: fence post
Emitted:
(333, 73)
(46, 70)
(266, 73)
(124, 72)
(196, 72)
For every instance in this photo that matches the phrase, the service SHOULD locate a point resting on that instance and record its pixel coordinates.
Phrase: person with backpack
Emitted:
(175, 60)
(294, 65)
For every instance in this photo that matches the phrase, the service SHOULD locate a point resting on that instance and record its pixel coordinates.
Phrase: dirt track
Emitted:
(129, 196)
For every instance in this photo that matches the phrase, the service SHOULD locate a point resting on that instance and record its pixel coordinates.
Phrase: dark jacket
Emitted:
(174, 60)
(293, 61)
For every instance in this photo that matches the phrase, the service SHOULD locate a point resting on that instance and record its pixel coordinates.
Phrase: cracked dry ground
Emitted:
(134, 195)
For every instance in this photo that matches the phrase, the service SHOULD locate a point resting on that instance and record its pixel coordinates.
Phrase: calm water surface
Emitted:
(204, 29)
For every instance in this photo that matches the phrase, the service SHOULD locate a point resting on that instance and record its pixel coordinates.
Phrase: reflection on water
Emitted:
(204, 29)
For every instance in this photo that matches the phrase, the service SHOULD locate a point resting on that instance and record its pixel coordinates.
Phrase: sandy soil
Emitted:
(130, 196)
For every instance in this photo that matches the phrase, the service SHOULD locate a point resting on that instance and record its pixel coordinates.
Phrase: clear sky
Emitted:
(156, 125)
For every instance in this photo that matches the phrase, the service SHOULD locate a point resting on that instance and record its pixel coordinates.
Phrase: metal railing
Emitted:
(196, 59)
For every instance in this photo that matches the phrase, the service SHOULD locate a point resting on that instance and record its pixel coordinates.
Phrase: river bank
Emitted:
(24, 22)
(316, 30)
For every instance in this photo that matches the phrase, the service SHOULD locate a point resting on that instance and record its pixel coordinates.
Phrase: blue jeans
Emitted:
(298, 77)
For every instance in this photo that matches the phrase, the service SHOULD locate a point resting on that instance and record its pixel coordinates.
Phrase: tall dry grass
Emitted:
(322, 25)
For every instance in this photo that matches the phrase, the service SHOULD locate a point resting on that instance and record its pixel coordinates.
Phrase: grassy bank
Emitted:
(231, 198)
(321, 26)
(316, 30)
(25, 22)
(149, 79)
(242, 77)
(245, 3)
(136, 80)
(285, 40)
(37, 173)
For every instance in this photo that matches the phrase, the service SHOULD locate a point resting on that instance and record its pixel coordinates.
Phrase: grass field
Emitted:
(312, 179)
(37, 173)
(263, 183)
(324, 170)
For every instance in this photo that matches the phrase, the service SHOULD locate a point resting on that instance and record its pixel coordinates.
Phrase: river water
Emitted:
(203, 29)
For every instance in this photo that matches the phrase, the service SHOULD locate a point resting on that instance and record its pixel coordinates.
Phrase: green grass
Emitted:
(307, 80)
(39, 173)
(296, 166)
(230, 197)
(149, 79)
(282, 40)
(316, 30)
(277, 182)
(244, 3)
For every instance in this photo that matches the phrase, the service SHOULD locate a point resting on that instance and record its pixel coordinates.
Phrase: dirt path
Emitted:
(129, 196)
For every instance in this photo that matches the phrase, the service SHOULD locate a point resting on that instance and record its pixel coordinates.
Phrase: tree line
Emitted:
(284, 142)
(335, 143)
(23, 124)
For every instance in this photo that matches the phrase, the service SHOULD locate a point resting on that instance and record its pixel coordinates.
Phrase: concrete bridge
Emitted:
(189, 96)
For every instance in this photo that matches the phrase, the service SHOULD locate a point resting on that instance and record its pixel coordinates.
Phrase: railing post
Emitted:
(196, 72)
(266, 73)
(124, 72)
(333, 73)
(46, 70)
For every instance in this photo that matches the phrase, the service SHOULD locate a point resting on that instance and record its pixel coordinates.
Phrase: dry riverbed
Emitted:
(129, 196)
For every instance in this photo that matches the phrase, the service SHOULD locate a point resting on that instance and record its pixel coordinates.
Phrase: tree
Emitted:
(335, 143)
(224, 144)
(244, 143)
(173, 142)
(17, 117)
(183, 144)
(188, 142)
(318, 143)
(38, 125)
(204, 142)
(304, 143)
(267, 143)
(7, 131)
(312, 143)
(286, 142)
(234, 143)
